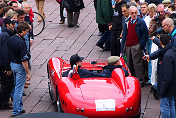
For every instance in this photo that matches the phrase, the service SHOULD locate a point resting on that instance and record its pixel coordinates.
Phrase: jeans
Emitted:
(19, 81)
(148, 46)
(167, 107)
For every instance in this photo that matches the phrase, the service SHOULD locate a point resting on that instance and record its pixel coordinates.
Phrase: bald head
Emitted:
(168, 21)
(168, 25)
(160, 7)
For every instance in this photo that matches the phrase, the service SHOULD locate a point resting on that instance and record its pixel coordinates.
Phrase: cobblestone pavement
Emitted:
(59, 40)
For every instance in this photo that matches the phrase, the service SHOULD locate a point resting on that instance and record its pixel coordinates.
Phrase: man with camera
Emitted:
(156, 22)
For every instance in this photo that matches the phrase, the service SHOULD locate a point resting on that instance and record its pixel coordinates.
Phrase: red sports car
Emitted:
(96, 97)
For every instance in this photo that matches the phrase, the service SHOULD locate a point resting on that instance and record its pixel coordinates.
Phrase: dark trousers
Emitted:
(105, 39)
(7, 83)
(115, 42)
(103, 27)
(72, 17)
(61, 12)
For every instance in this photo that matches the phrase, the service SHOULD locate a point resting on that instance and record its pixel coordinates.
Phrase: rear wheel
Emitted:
(139, 114)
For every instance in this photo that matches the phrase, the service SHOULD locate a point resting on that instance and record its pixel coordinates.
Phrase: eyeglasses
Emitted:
(164, 25)
(133, 12)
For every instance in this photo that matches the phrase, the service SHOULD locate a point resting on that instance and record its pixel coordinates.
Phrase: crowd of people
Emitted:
(143, 32)
(16, 38)
(140, 31)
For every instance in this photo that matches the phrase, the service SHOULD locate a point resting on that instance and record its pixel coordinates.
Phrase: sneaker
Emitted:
(61, 22)
(77, 26)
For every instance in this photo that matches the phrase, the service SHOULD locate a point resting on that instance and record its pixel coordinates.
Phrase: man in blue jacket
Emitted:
(135, 35)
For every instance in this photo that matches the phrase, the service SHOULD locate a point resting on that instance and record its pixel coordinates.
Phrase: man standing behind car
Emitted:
(6, 77)
(135, 41)
(73, 11)
(19, 64)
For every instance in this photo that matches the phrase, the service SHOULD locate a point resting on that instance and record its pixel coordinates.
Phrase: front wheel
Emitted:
(38, 24)
(59, 106)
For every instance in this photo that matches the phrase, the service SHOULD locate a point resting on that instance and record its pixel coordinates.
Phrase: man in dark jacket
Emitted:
(167, 82)
(73, 11)
(6, 76)
(166, 76)
(83, 73)
(116, 29)
(113, 63)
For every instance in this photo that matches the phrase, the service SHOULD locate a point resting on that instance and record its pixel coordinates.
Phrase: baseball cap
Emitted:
(75, 58)
(112, 60)
(9, 20)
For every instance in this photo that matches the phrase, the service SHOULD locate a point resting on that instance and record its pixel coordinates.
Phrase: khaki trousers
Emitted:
(40, 7)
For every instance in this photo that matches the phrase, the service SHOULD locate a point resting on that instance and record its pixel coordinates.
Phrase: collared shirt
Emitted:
(17, 49)
(143, 16)
(133, 21)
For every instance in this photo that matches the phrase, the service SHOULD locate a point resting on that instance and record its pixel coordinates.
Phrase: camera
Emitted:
(157, 20)
(158, 31)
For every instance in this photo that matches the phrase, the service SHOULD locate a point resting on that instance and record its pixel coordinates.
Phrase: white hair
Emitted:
(132, 7)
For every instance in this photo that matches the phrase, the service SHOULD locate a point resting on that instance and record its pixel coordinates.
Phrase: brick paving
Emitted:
(58, 40)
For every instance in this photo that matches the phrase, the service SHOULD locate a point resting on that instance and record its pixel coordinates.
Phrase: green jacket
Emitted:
(104, 12)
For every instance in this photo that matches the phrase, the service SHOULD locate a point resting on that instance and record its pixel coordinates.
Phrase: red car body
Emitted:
(96, 97)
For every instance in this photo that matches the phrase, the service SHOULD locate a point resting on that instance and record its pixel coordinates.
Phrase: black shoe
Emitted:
(142, 83)
(24, 94)
(23, 111)
(106, 49)
(71, 25)
(99, 45)
(100, 33)
(6, 107)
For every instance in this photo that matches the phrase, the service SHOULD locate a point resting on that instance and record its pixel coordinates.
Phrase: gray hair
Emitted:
(132, 7)
(168, 21)
(152, 6)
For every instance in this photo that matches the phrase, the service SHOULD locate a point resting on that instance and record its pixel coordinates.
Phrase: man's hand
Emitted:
(25, 65)
(152, 38)
(28, 77)
(31, 42)
(146, 57)
(8, 73)
(110, 27)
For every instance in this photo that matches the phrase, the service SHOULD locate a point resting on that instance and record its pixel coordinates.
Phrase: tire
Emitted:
(49, 87)
(139, 114)
(59, 106)
(38, 27)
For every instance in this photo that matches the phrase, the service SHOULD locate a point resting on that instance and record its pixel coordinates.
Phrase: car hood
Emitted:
(100, 89)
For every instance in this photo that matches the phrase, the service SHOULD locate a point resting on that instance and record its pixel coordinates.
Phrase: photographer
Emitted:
(156, 22)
